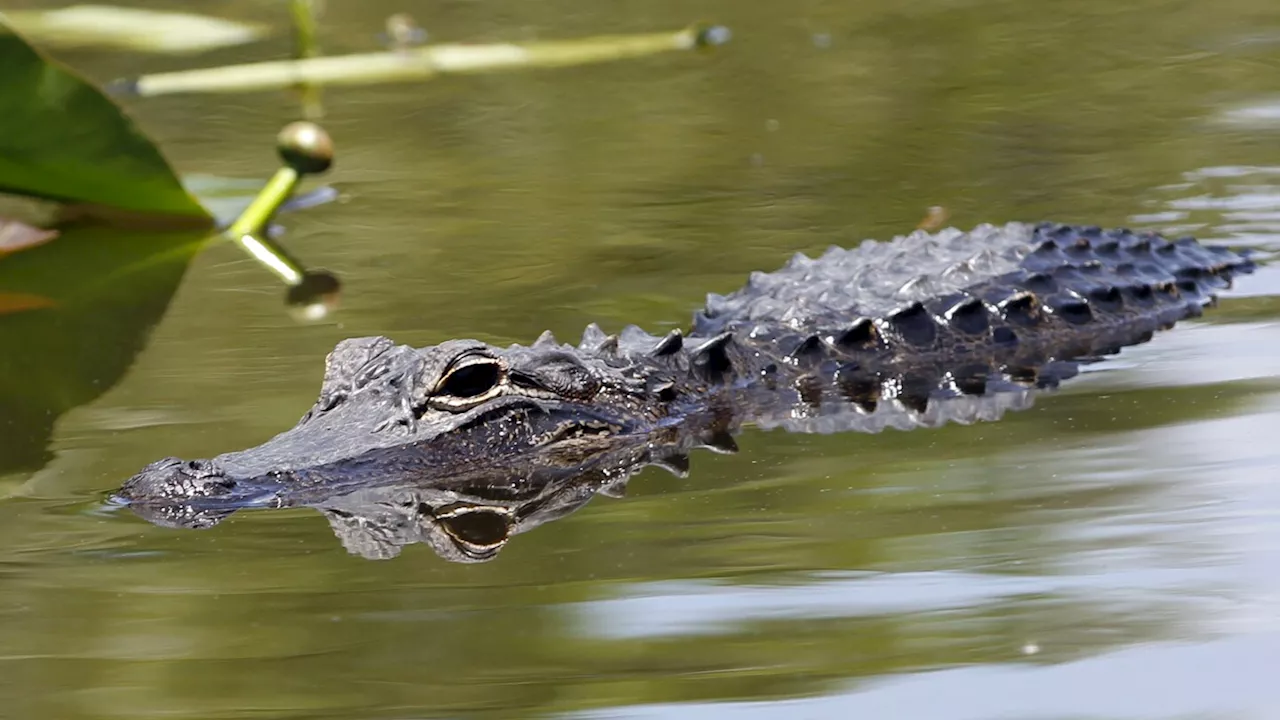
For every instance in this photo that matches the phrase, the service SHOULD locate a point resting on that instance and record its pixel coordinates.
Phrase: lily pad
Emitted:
(62, 139)
(130, 29)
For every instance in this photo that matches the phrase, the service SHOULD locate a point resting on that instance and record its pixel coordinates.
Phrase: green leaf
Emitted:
(62, 139)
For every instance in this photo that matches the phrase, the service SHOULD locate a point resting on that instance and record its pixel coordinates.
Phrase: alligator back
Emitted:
(939, 316)
(938, 291)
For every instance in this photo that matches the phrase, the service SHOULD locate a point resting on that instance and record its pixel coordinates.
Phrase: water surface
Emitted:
(1111, 552)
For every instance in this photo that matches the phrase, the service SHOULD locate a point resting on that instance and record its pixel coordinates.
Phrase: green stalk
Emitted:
(305, 149)
(275, 193)
(272, 256)
(306, 44)
(423, 62)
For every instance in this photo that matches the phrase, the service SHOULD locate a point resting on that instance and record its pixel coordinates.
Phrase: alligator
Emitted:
(925, 329)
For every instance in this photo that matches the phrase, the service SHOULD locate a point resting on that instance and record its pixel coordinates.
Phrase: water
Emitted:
(1112, 552)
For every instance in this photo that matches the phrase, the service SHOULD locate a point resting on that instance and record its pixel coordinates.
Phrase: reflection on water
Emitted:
(1238, 204)
(1111, 552)
(1159, 680)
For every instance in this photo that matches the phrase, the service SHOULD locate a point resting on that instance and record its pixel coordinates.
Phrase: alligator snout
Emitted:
(172, 479)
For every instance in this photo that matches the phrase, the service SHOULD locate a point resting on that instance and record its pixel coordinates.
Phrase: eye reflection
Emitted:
(479, 530)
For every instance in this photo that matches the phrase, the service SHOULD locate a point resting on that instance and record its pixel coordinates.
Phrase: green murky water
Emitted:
(1113, 552)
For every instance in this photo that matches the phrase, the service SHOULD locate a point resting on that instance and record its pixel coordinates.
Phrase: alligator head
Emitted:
(467, 514)
(390, 410)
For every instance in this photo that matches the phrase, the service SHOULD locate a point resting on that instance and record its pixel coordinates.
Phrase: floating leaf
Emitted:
(15, 236)
(62, 139)
(130, 29)
(419, 63)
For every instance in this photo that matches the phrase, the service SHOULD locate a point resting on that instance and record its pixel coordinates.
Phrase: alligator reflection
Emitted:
(470, 517)
(466, 517)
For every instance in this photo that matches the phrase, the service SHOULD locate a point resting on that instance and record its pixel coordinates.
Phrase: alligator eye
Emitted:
(469, 381)
(472, 380)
